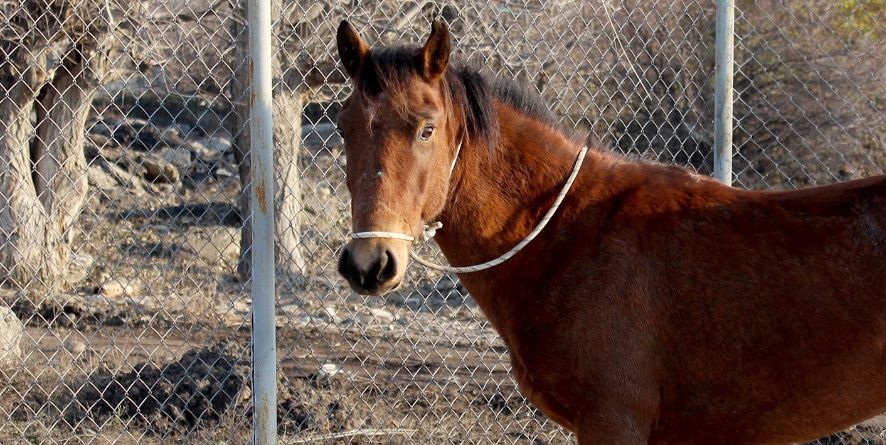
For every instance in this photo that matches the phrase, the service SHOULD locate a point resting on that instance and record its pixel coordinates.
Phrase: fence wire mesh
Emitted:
(125, 214)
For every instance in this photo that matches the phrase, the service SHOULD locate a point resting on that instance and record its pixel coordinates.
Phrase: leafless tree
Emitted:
(53, 57)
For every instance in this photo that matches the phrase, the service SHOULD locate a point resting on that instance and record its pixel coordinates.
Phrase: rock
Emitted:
(223, 173)
(138, 134)
(232, 319)
(74, 275)
(216, 144)
(298, 314)
(375, 317)
(114, 289)
(234, 313)
(75, 347)
(329, 314)
(99, 178)
(320, 136)
(99, 273)
(414, 302)
(214, 244)
(242, 306)
(245, 394)
(179, 157)
(328, 370)
(157, 170)
(105, 127)
(382, 315)
(172, 136)
(324, 192)
(203, 156)
(11, 331)
(132, 182)
(78, 267)
(290, 309)
(99, 140)
(184, 129)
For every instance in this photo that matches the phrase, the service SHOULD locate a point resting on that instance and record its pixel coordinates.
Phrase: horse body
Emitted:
(695, 312)
(658, 306)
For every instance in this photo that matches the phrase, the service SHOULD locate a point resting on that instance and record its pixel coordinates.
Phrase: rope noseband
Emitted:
(430, 230)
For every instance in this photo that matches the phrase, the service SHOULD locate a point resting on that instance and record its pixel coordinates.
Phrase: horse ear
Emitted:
(434, 56)
(351, 48)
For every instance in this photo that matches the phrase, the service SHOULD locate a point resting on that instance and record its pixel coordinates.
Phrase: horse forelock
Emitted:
(469, 96)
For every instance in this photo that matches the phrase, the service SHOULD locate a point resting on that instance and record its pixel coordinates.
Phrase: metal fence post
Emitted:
(723, 91)
(264, 348)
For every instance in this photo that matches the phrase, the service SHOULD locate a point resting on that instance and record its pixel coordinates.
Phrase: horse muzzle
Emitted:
(373, 266)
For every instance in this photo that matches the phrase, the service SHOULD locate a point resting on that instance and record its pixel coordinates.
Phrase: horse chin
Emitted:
(378, 291)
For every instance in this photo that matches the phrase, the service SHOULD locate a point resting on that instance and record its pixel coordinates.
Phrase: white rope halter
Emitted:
(431, 229)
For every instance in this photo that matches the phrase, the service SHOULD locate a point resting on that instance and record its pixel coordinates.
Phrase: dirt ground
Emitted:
(150, 344)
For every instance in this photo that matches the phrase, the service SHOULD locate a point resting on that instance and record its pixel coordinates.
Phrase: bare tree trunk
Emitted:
(57, 149)
(288, 109)
(29, 254)
(42, 166)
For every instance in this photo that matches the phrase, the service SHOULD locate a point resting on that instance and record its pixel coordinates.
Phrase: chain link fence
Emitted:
(126, 238)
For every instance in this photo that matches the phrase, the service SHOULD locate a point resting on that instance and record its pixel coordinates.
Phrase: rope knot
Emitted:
(430, 230)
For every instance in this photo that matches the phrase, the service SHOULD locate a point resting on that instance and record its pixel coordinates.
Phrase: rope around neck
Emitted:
(430, 230)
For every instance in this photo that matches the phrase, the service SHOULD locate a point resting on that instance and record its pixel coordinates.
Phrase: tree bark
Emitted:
(288, 109)
(43, 182)
(57, 151)
(29, 248)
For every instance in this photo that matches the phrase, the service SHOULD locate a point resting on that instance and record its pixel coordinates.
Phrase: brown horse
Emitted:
(658, 306)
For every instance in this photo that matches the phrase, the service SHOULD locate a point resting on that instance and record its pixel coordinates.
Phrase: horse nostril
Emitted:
(346, 266)
(387, 267)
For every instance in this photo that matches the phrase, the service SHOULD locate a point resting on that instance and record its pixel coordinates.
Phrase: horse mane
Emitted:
(468, 91)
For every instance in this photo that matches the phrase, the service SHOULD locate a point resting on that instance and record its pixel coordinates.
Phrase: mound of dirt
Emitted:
(202, 386)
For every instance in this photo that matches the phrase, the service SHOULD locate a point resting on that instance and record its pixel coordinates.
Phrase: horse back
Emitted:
(776, 303)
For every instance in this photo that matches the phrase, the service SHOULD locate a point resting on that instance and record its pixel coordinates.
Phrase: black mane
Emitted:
(469, 91)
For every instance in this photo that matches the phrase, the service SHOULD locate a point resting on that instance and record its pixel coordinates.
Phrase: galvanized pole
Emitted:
(264, 342)
(723, 91)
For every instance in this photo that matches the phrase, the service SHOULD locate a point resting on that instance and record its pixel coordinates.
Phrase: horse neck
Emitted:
(498, 195)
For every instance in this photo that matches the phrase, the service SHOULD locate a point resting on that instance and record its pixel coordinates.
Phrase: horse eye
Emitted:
(426, 133)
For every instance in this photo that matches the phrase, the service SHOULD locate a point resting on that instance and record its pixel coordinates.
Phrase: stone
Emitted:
(122, 176)
(217, 144)
(328, 313)
(156, 170)
(78, 267)
(382, 315)
(105, 127)
(172, 136)
(99, 178)
(375, 317)
(223, 173)
(11, 332)
(235, 313)
(75, 347)
(321, 136)
(138, 134)
(299, 315)
(184, 129)
(179, 157)
(115, 289)
(328, 370)
(214, 244)
(202, 154)
(99, 140)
